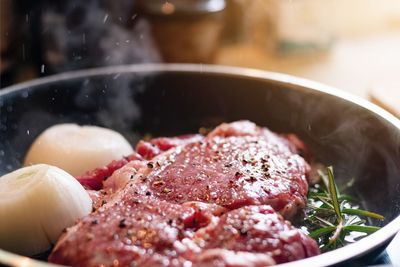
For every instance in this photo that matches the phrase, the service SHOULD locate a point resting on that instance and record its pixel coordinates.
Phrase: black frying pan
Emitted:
(359, 139)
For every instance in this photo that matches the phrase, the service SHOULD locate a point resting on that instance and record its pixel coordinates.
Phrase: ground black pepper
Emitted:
(122, 223)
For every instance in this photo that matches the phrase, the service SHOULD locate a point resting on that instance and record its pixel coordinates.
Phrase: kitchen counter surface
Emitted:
(354, 64)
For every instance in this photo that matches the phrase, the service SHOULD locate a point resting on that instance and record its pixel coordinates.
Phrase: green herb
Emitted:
(333, 219)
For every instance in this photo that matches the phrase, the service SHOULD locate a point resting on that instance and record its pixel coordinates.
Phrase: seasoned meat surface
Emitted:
(197, 201)
(143, 231)
(237, 164)
(131, 230)
(257, 229)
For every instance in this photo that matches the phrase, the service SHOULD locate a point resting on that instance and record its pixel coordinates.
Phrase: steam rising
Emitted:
(357, 143)
(94, 33)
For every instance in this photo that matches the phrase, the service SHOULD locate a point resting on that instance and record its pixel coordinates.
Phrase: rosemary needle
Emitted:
(332, 217)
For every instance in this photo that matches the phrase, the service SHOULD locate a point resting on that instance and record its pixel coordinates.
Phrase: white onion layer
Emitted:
(36, 204)
(77, 149)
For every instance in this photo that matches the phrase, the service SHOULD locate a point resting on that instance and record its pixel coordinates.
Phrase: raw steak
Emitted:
(257, 229)
(237, 164)
(197, 201)
(133, 230)
(142, 231)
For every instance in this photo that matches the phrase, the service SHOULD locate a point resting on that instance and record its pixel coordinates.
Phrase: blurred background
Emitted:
(350, 44)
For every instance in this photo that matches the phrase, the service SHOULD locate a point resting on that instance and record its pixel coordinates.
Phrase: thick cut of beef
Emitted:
(133, 230)
(237, 164)
(197, 201)
(140, 231)
(257, 229)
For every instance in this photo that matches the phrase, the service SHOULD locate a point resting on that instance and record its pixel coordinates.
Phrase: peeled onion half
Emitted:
(77, 149)
(36, 204)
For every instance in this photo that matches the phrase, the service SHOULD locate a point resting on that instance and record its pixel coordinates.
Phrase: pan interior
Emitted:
(360, 144)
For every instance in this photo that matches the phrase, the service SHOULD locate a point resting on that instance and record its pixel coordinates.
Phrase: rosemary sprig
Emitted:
(332, 218)
(364, 213)
(334, 195)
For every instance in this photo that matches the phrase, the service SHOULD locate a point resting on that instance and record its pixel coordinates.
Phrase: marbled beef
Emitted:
(235, 165)
(197, 201)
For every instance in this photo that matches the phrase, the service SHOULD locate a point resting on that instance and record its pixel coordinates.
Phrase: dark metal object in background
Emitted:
(359, 139)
